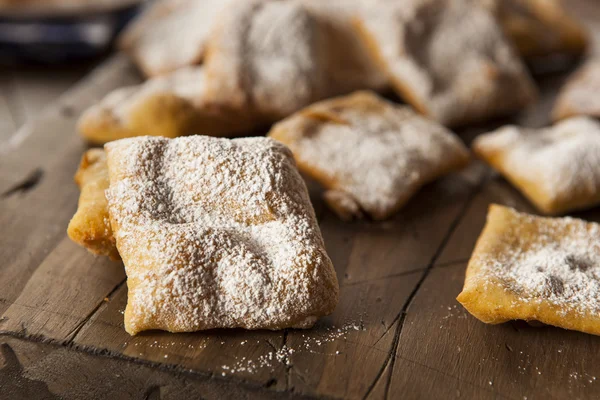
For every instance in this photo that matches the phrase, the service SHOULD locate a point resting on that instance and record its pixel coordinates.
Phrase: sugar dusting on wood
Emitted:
(310, 343)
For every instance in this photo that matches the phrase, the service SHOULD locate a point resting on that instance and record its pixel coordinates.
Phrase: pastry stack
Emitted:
(217, 231)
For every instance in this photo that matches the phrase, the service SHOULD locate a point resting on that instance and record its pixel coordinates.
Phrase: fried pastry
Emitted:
(170, 34)
(216, 233)
(90, 226)
(556, 168)
(267, 57)
(540, 28)
(350, 65)
(172, 105)
(580, 94)
(535, 269)
(370, 155)
(448, 59)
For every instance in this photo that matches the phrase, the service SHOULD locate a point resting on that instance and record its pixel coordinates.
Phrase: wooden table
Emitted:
(398, 331)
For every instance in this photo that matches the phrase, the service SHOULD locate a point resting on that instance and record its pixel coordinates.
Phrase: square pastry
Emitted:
(556, 168)
(535, 269)
(371, 155)
(216, 233)
(579, 96)
(171, 105)
(90, 226)
(170, 34)
(267, 57)
(448, 59)
(540, 28)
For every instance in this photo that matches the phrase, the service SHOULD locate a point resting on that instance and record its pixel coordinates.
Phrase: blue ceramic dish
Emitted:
(59, 39)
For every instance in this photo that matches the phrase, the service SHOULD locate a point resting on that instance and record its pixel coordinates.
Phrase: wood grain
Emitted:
(26, 90)
(397, 333)
(30, 370)
(465, 358)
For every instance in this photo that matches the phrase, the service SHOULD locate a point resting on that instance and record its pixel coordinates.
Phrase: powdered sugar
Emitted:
(377, 153)
(267, 57)
(449, 59)
(560, 161)
(187, 83)
(557, 263)
(351, 65)
(171, 34)
(539, 28)
(216, 233)
(313, 342)
(580, 95)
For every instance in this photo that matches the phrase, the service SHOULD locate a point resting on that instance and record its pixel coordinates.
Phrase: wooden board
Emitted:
(397, 333)
(25, 91)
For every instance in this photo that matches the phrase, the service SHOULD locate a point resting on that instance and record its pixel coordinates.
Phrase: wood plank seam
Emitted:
(403, 273)
(171, 368)
(73, 334)
(451, 263)
(453, 227)
(458, 379)
(190, 376)
(400, 317)
(11, 303)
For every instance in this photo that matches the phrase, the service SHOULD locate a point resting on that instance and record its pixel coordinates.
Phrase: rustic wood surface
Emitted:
(398, 331)
(25, 91)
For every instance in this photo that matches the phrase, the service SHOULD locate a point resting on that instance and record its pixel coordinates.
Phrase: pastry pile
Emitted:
(216, 232)
(259, 61)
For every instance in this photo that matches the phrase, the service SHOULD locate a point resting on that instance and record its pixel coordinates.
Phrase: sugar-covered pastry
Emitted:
(371, 155)
(350, 65)
(267, 57)
(265, 60)
(539, 27)
(556, 168)
(171, 105)
(170, 34)
(216, 233)
(448, 59)
(579, 96)
(536, 269)
(90, 226)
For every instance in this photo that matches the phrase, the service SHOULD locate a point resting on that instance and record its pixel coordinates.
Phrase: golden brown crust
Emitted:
(90, 226)
(216, 233)
(541, 28)
(579, 96)
(403, 90)
(449, 60)
(170, 34)
(348, 59)
(371, 155)
(497, 290)
(569, 182)
(168, 106)
(240, 70)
